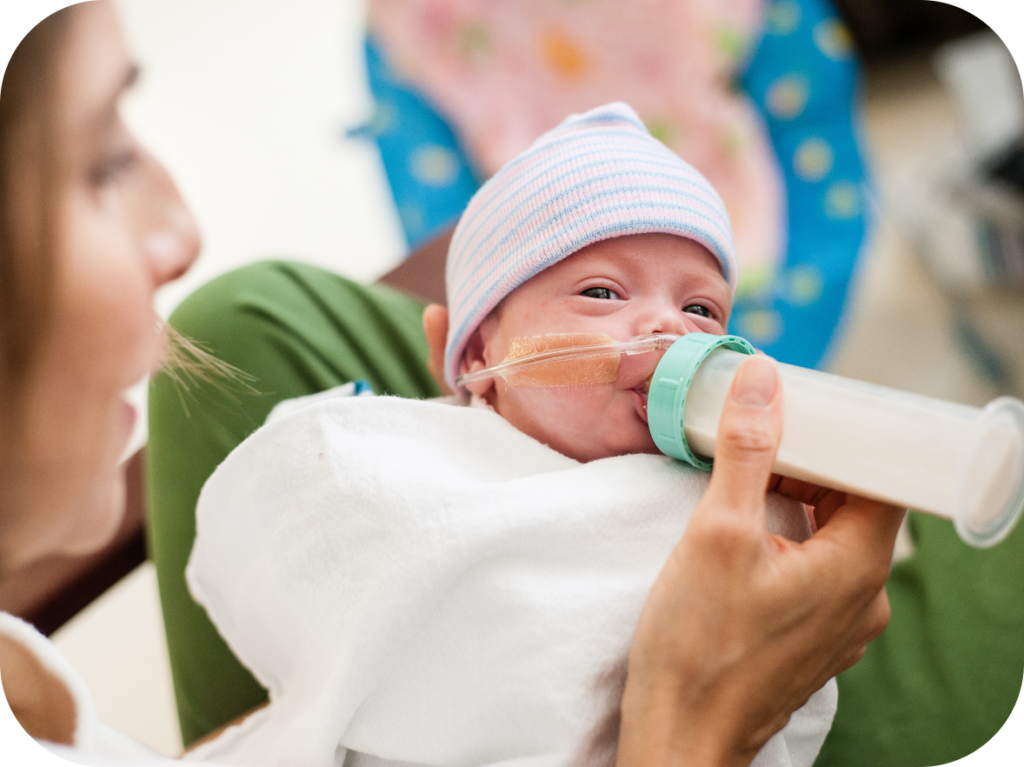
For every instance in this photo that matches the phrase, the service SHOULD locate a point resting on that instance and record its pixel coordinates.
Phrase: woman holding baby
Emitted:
(739, 630)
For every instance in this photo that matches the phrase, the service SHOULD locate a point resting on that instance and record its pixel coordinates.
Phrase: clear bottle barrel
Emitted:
(959, 462)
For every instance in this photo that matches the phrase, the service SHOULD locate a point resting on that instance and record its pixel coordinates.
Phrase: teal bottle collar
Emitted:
(669, 385)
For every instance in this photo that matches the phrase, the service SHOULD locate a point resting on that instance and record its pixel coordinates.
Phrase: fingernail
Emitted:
(755, 383)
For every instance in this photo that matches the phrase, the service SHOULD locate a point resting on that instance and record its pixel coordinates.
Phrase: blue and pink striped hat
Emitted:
(596, 176)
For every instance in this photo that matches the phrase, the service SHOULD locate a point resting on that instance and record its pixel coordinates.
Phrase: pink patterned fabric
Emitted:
(502, 72)
(596, 176)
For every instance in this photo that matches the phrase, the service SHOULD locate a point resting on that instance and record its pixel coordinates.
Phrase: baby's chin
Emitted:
(588, 453)
(638, 444)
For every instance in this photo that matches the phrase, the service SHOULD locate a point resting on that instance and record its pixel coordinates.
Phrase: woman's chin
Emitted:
(100, 516)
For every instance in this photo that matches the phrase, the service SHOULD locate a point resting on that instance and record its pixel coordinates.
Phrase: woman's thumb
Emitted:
(748, 436)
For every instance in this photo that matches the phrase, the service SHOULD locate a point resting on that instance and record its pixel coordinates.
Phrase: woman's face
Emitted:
(124, 232)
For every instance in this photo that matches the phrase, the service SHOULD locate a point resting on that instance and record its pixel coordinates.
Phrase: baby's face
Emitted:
(624, 287)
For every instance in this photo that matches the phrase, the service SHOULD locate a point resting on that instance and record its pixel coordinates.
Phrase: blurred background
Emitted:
(279, 123)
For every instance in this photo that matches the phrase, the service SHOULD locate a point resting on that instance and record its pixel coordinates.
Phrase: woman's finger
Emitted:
(748, 438)
(878, 616)
(798, 489)
(861, 524)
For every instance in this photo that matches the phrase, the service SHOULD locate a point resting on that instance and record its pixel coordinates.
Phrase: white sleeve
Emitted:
(128, 753)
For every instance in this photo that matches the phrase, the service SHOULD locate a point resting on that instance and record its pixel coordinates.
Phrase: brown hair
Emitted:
(30, 159)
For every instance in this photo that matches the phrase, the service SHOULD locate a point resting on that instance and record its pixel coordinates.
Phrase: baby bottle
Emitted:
(962, 463)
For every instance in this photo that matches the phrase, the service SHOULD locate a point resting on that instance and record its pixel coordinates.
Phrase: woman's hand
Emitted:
(742, 626)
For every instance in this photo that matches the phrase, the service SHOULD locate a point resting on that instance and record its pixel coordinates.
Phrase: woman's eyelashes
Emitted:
(111, 169)
(606, 294)
(122, 152)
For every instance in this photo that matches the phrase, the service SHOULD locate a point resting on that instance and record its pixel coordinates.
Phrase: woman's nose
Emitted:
(169, 236)
(173, 248)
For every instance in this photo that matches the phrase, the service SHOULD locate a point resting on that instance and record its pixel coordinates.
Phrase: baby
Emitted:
(428, 583)
(598, 228)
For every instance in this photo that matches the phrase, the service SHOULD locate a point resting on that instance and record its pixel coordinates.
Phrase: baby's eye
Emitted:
(604, 293)
(703, 311)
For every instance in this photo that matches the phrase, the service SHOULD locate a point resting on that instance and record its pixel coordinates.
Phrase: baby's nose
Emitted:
(665, 318)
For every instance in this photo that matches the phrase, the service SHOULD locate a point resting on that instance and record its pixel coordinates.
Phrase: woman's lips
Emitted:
(132, 404)
(130, 415)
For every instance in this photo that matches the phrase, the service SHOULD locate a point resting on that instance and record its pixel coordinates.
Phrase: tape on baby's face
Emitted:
(596, 369)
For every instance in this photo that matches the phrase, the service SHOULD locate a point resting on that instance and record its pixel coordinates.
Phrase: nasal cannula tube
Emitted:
(579, 349)
(958, 462)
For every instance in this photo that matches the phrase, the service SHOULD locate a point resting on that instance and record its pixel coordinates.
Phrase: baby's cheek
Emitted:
(558, 404)
(573, 420)
(696, 324)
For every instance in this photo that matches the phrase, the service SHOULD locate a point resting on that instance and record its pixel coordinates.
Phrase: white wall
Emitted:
(247, 102)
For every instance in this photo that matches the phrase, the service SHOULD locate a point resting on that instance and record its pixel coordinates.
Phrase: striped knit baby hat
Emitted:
(596, 176)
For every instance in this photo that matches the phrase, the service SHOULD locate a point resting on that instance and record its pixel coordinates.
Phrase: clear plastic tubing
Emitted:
(568, 359)
(962, 463)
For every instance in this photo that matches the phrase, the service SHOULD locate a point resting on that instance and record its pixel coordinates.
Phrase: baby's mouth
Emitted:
(639, 394)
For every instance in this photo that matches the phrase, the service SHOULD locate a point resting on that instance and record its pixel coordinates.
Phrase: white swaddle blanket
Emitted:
(422, 583)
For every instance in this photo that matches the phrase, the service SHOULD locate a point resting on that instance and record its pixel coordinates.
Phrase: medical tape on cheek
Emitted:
(595, 369)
